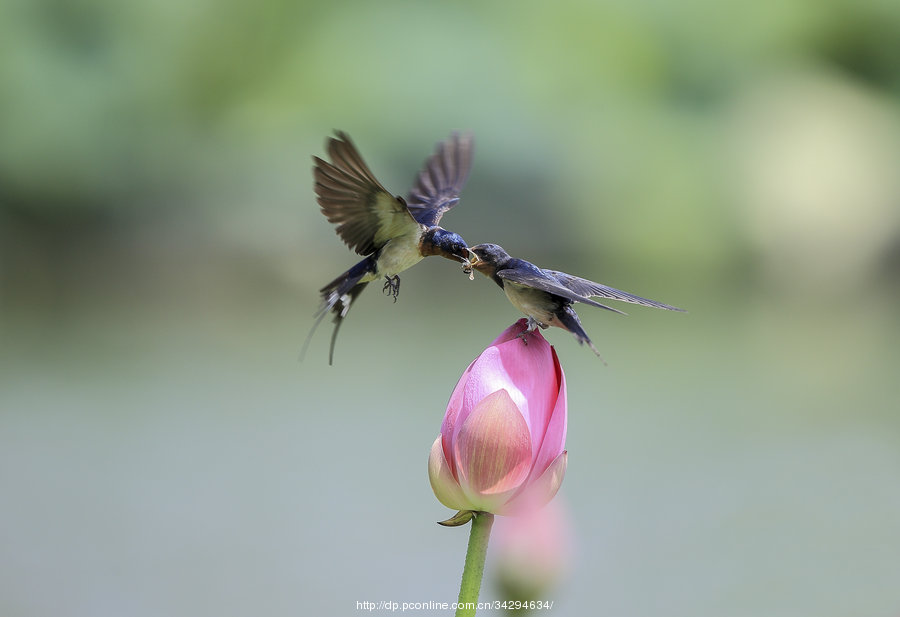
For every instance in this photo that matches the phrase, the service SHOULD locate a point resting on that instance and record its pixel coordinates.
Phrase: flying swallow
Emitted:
(547, 296)
(392, 233)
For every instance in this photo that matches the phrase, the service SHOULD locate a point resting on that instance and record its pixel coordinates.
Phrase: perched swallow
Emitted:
(392, 233)
(546, 296)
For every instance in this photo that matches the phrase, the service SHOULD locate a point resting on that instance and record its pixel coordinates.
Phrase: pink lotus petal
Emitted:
(527, 372)
(444, 485)
(533, 368)
(540, 490)
(484, 377)
(555, 437)
(493, 450)
(511, 332)
(452, 421)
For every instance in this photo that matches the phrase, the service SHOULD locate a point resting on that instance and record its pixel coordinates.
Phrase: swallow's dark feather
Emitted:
(366, 214)
(569, 320)
(530, 275)
(338, 296)
(547, 296)
(584, 287)
(438, 185)
(379, 225)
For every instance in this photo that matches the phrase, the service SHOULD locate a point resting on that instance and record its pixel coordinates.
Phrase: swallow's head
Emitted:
(439, 241)
(488, 258)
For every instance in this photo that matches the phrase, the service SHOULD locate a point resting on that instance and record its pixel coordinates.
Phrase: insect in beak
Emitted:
(469, 263)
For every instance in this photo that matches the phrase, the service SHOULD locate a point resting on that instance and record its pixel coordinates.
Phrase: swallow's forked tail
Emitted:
(337, 297)
(569, 319)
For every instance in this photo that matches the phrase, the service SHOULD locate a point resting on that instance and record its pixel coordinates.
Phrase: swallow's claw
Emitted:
(530, 327)
(533, 324)
(392, 286)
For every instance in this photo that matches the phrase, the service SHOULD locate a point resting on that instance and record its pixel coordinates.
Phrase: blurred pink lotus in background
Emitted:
(502, 442)
(531, 553)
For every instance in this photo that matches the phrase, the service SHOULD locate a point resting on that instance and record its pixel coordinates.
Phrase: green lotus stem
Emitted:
(473, 571)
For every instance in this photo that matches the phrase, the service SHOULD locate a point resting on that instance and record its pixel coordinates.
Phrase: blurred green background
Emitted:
(164, 452)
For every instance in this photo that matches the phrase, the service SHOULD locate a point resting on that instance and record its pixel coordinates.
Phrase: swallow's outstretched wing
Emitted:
(539, 280)
(440, 182)
(584, 287)
(366, 214)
